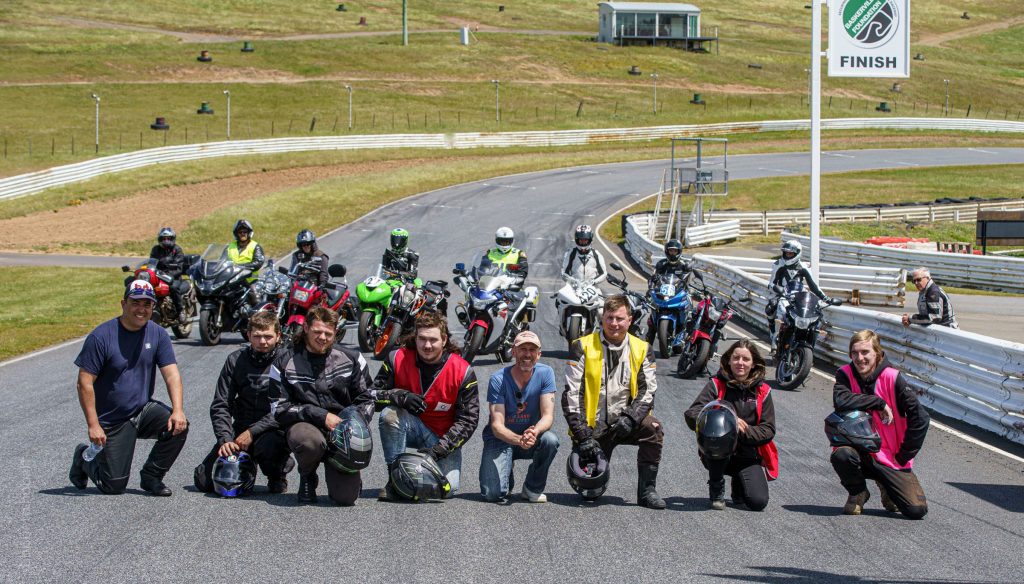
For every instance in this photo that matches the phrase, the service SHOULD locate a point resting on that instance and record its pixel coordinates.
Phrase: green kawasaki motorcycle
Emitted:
(377, 333)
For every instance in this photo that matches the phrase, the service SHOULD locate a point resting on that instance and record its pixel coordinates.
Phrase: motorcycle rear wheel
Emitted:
(209, 332)
(793, 367)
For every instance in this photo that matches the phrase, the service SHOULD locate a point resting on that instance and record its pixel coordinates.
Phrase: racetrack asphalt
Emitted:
(52, 532)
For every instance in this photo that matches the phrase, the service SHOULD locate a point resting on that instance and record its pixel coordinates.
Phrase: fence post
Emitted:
(764, 222)
(931, 214)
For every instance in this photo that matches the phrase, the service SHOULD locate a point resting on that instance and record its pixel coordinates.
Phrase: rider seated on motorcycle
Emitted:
(308, 253)
(399, 258)
(505, 255)
(582, 262)
(245, 252)
(674, 264)
(170, 260)
(786, 269)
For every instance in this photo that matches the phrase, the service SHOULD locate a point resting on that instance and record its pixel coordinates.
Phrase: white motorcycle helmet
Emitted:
(504, 237)
(791, 251)
(583, 236)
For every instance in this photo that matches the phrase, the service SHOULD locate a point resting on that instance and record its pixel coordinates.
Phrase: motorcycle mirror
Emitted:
(282, 269)
(125, 269)
(461, 267)
(337, 270)
(616, 266)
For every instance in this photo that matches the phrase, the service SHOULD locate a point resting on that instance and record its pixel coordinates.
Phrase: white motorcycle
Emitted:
(492, 313)
(578, 304)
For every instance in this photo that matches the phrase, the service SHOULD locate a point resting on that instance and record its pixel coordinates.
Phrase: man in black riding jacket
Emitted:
(673, 264)
(309, 253)
(309, 387)
(786, 269)
(240, 412)
(170, 260)
(398, 257)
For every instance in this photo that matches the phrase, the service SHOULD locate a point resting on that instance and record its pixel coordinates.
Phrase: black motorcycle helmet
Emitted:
(583, 236)
(350, 443)
(853, 428)
(305, 237)
(234, 476)
(673, 249)
(589, 478)
(242, 225)
(717, 430)
(166, 238)
(416, 477)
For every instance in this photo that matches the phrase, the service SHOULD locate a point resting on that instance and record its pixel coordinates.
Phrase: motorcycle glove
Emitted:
(623, 427)
(590, 449)
(437, 452)
(407, 400)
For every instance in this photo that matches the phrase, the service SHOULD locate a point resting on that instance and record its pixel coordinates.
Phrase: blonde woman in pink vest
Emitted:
(870, 384)
(755, 461)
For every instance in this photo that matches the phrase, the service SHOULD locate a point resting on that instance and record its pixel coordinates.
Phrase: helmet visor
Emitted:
(583, 240)
(672, 253)
(399, 241)
(503, 241)
(788, 254)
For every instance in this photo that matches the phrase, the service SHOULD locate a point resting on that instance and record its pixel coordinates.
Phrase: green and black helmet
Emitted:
(399, 240)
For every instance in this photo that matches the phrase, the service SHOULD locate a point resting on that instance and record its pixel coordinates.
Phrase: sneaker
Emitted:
(387, 494)
(77, 474)
(855, 503)
(534, 497)
(887, 503)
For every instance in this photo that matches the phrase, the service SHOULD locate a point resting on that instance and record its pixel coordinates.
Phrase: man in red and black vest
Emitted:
(429, 398)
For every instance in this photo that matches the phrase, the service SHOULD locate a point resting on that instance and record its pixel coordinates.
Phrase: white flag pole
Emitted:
(815, 134)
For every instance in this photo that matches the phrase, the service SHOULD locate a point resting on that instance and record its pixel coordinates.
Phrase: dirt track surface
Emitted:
(139, 216)
(945, 37)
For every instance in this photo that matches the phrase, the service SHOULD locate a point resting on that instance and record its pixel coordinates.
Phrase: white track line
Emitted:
(41, 351)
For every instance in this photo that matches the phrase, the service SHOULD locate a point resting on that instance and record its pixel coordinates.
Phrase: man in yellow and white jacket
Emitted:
(609, 394)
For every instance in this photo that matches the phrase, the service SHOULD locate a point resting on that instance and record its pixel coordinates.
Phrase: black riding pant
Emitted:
(649, 436)
(112, 466)
(748, 479)
(854, 468)
(269, 450)
(309, 445)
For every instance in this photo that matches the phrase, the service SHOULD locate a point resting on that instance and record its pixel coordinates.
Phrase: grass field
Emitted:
(434, 84)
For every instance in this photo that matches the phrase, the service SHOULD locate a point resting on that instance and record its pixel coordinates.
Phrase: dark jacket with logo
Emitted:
(241, 400)
(306, 387)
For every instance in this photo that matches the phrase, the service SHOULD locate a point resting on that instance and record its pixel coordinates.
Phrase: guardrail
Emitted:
(963, 375)
(765, 222)
(862, 285)
(719, 231)
(62, 175)
(1003, 274)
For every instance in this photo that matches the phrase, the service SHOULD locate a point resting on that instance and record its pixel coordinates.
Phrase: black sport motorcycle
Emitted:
(222, 286)
(794, 348)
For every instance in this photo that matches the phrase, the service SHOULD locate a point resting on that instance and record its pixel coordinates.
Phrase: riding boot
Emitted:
(646, 495)
(716, 493)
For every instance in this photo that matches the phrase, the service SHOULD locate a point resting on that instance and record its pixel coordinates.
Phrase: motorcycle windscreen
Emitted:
(804, 305)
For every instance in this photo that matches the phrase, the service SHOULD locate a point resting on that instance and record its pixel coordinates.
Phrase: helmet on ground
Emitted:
(717, 430)
(399, 240)
(589, 478)
(673, 249)
(584, 235)
(242, 225)
(234, 476)
(166, 237)
(791, 251)
(504, 237)
(416, 477)
(853, 428)
(305, 237)
(350, 444)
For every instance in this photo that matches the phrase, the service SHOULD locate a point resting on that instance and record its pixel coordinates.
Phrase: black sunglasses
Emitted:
(916, 280)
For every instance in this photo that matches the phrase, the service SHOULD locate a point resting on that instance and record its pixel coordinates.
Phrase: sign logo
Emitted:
(870, 23)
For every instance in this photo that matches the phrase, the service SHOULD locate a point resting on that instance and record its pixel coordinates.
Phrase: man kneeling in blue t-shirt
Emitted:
(521, 399)
(116, 375)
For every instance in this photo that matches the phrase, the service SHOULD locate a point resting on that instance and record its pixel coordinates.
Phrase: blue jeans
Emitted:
(400, 430)
(497, 475)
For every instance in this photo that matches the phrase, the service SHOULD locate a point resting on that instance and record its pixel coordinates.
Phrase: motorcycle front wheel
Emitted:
(209, 332)
(573, 332)
(693, 359)
(363, 332)
(665, 338)
(182, 331)
(476, 342)
(794, 366)
(387, 340)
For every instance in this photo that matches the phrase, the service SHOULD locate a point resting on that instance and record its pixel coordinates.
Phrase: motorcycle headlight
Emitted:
(301, 295)
(714, 313)
(480, 303)
(804, 322)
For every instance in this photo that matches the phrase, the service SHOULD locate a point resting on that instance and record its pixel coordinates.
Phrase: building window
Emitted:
(672, 26)
(646, 24)
(626, 22)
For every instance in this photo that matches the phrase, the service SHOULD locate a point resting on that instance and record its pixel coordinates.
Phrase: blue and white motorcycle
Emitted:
(671, 318)
(492, 312)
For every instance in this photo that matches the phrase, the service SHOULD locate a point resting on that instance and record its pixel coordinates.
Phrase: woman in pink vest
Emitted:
(870, 384)
(740, 382)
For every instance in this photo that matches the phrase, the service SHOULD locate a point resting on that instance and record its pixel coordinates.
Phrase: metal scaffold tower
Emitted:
(697, 177)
